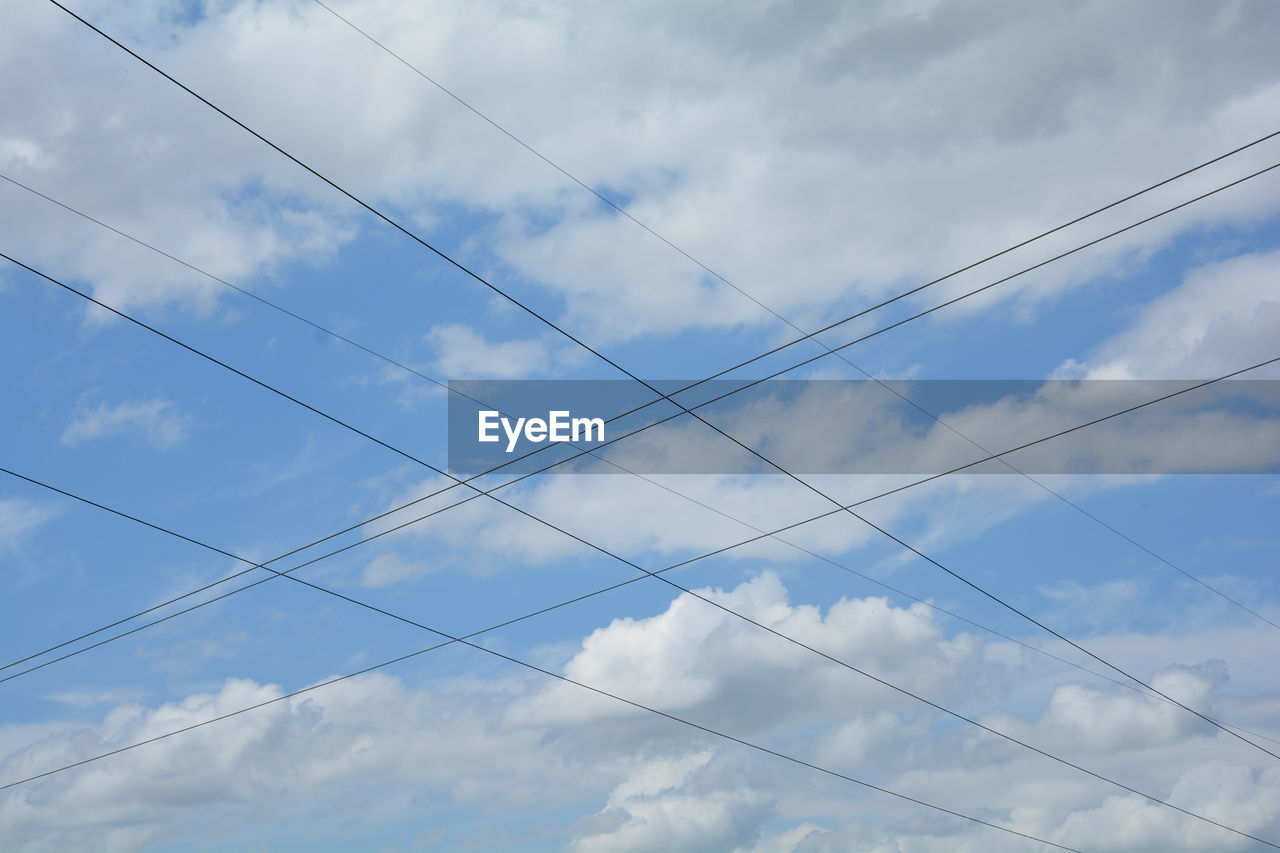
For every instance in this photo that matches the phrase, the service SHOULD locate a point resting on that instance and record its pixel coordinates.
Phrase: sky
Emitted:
(792, 164)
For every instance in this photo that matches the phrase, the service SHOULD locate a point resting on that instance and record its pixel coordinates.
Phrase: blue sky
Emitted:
(821, 158)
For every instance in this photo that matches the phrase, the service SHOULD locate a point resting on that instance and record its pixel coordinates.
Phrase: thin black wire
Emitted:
(538, 450)
(569, 336)
(787, 637)
(415, 372)
(806, 335)
(431, 379)
(564, 333)
(619, 209)
(763, 355)
(437, 382)
(764, 534)
(838, 506)
(449, 640)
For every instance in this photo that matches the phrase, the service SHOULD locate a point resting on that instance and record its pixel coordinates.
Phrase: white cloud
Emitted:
(1222, 317)
(380, 749)
(19, 518)
(811, 209)
(155, 421)
(391, 568)
(461, 352)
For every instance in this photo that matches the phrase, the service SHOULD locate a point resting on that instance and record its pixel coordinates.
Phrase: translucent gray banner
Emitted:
(866, 427)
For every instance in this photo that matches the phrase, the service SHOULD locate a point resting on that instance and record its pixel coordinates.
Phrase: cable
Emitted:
(745, 447)
(685, 388)
(413, 371)
(728, 610)
(622, 211)
(764, 534)
(530, 453)
(564, 678)
(714, 603)
(434, 381)
(569, 336)
(495, 289)
(806, 335)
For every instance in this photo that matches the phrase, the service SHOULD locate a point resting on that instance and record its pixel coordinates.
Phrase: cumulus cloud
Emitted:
(155, 421)
(840, 205)
(381, 747)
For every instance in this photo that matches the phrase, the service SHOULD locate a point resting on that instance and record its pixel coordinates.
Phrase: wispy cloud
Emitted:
(18, 518)
(388, 569)
(155, 421)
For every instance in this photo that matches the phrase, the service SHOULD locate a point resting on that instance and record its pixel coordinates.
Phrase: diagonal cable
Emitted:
(688, 411)
(607, 360)
(624, 212)
(720, 606)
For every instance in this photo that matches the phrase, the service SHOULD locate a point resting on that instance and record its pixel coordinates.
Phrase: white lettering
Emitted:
(587, 425)
(487, 423)
(535, 430)
(559, 426)
(513, 435)
(559, 423)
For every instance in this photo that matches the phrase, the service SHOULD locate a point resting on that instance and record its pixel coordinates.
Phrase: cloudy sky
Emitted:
(792, 164)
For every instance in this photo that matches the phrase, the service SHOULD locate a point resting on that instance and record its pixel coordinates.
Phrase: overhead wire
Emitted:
(764, 534)
(464, 640)
(437, 382)
(623, 370)
(719, 605)
(627, 214)
(623, 560)
(551, 324)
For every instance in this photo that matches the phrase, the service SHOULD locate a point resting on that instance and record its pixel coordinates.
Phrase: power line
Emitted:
(622, 211)
(494, 288)
(732, 391)
(677, 586)
(415, 372)
(569, 336)
(431, 379)
(552, 325)
(685, 410)
(718, 605)
(540, 449)
(450, 640)
(763, 534)
(806, 335)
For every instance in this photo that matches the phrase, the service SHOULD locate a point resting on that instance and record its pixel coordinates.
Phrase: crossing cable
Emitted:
(622, 211)
(272, 575)
(396, 363)
(568, 335)
(637, 567)
(724, 549)
(689, 411)
(431, 379)
(435, 381)
(542, 319)
(805, 336)
(464, 640)
(692, 593)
